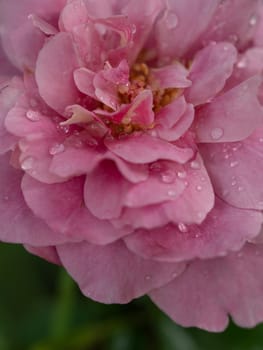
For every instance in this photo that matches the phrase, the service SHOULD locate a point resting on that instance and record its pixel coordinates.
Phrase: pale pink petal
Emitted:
(105, 190)
(21, 39)
(48, 253)
(17, 222)
(61, 206)
(209, 71)
(181, 25)
(180, 126)
(224, 229)
(143, 148)
(236, 170)
(197, 199)
(240, 29)
(54, 72)
(123, 276)
(232, 116)
(173, 76)
(209, 290)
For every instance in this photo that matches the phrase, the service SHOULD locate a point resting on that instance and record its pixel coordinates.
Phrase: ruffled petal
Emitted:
(85, 262)
(211, 67)
(61, 206)
(236, 170)
(209, 290)
(54, 72)
(18, 223)
(225, 229)
(232, 116)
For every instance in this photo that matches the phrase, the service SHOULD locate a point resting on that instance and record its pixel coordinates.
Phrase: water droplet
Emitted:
(171, 20)
(242, 63)
(181, 174)
(182, 227)
(154, 133)
(225, 47)
(226, 156)
(217, 133)
(234, 164)
(167, 176)
(171, 193)
(240, 188)
(5, 198)
(199, 188)
(233, 183)
(56, 149)
(253, 20)
(155, 167)
(195, 164)
(32, 116)
(261, 139)
(148, 277)
(27, 163)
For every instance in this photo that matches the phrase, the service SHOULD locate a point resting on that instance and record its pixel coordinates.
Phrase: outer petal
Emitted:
(225, 228)
(233, 116)
(234, 21)
(54, 72)
(21, 39)
(48, 253)
(8, 97)
(236, 170)
(111, 273)
(61, 206)
(210, 69)
(180, 27)
(209, 290)
(17, 223)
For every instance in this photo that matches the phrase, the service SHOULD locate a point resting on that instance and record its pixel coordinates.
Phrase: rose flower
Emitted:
(131, 142)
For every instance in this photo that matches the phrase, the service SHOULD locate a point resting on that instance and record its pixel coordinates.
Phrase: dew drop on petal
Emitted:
(181, 174)
(182, 227)
(168, 176)
(217, 133)
(27, 163)
(56, 149)
(148, 277)
(171, 193)
(195, 164)
(199, 188)
(32, 115)
(240, 188)
(171, 20)
(253, 20)
(234, 164)
(242, 63)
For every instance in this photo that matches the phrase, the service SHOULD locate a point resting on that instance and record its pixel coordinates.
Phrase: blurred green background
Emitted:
(42, 309)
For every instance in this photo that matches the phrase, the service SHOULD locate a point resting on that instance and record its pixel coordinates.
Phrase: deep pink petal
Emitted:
(224, 229)
(209, 290)
(233, 116)
(122, 275)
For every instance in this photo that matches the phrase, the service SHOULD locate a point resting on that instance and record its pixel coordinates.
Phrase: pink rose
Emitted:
(131, 142)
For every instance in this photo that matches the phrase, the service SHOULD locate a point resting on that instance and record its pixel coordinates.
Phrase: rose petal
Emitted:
(209, 290)
(85, 262)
